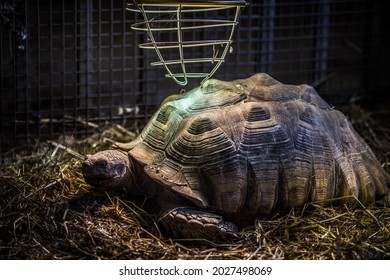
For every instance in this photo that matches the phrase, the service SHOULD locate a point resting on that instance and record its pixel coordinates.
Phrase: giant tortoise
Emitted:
(226, 153)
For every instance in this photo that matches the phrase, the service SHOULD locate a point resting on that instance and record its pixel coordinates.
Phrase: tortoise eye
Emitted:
(101, 163)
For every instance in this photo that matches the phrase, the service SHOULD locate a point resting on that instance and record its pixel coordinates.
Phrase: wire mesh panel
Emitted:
(67, 67)
(77, 68)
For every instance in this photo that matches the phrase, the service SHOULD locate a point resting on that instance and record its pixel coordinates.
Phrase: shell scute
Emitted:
(199, 144)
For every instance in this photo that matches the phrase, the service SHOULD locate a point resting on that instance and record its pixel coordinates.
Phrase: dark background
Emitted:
(68, 65)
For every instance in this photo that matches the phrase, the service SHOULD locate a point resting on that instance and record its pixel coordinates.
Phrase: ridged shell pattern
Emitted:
(253, 145)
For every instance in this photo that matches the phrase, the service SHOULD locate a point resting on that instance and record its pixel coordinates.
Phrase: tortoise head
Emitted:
(110, 169)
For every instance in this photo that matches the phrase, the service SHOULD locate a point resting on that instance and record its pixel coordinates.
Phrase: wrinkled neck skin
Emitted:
(161, 196)
(140, 183)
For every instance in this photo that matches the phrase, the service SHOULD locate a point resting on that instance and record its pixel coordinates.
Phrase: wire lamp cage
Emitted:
(188, 34)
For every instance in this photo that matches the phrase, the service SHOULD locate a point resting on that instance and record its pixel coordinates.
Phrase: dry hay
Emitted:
(49, 212)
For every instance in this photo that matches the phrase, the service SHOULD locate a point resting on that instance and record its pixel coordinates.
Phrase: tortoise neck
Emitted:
(141, 183)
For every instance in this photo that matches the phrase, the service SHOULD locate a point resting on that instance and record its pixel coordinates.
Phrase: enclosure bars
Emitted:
(180, 25)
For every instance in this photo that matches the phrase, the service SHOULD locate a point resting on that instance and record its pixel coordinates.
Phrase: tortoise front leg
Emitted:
(196, 224)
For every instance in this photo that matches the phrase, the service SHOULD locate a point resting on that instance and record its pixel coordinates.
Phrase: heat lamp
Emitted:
(188, 35)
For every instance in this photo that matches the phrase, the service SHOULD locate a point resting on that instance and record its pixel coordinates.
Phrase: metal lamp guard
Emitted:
(179, 24)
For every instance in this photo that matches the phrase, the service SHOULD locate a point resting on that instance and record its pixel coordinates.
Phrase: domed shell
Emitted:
(253, 145)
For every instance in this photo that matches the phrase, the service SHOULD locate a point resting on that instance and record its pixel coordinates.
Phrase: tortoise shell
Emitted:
(252, 145)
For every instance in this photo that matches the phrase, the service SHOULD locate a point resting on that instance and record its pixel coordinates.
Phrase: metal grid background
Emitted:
(66, 66)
